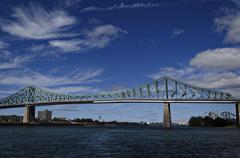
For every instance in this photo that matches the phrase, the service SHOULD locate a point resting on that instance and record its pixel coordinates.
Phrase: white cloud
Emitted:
(34, 22)
(209, 69)
(176, 32)
(94, 21)
(173, 72)
(230, 23)
(67, 45)
(222, 58)
(217, 80)
(3, 45)
(122, 6)
(15, 62)
(237, 2)
(74, 90)
(26, 77)
(45, 50)
(101, 35)
(68, 3)
(37, 48)
(98, 37)
(4, 53)
(5, 93)
(225, 81)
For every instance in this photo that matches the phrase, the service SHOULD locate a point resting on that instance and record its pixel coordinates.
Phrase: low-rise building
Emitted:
(45, 115)
(11, 118)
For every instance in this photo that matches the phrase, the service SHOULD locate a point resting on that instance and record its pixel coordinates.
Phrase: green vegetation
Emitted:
(210, 122)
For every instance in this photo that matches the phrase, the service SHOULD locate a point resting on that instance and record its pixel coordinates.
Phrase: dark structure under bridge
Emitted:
(164, 90)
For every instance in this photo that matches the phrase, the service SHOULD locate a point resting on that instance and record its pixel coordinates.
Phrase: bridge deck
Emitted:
(122, 101)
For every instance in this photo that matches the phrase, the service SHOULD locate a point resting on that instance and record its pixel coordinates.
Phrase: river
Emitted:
(120, 142)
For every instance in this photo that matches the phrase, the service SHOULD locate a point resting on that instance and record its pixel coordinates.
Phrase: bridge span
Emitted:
(164, 90)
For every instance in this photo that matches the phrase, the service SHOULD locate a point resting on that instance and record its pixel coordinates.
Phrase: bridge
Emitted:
(227, 115)
(165, 90)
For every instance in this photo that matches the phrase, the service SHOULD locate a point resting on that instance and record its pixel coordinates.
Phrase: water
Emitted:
(122, 142)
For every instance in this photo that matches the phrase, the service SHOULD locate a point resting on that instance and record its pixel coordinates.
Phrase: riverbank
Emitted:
(77, 124)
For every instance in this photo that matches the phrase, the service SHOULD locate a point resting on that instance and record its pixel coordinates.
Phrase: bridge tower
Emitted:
(29, 114)
(167, 122)
(238, 112)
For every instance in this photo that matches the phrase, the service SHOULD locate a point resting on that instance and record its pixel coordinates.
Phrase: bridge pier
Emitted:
(29, 114)
(237, 113)
(167, 122)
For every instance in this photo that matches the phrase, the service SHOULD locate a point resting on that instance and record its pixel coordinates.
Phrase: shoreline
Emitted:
(105, 125)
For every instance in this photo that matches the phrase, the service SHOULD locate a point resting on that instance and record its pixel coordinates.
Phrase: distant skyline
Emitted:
(89, 46)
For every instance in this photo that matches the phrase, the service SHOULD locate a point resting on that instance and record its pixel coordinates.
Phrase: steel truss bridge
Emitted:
(225, 115)
(164, 90)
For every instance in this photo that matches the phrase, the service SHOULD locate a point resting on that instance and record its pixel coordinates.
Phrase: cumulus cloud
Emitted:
(230, 23)
(225, 81)
(209, 69)
(221, 58)
(205, 79)
(34, 22)
(214, 68)
(122, 6)
(176, 32)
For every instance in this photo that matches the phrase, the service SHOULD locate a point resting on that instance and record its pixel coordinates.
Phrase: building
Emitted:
(45, 115)
(60, 120)
(11, 118)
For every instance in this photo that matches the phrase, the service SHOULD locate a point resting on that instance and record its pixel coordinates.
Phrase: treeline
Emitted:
(87, 120)
(209, 122)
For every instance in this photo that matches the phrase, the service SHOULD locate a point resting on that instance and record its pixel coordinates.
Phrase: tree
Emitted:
(195, 121)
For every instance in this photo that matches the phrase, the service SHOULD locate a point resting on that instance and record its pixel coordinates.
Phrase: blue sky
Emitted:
(88, 46)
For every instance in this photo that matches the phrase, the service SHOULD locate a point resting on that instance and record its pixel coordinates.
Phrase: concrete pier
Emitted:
(237, 113)
(167, 122)
(29, 114)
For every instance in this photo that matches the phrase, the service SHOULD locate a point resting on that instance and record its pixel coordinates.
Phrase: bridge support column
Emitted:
(237, 113)
(167, 122)
(29, 114)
